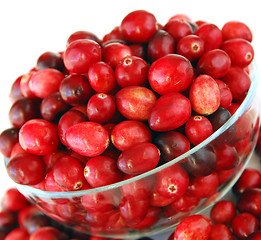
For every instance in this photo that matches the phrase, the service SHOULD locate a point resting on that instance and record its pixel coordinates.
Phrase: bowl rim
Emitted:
(253, 74)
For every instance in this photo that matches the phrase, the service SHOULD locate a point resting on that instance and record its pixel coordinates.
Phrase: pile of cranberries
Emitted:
(106, 110)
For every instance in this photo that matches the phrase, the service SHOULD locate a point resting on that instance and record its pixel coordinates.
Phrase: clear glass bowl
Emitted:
(115, 210)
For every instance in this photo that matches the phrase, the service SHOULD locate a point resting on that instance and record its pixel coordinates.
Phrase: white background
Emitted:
(29, 28)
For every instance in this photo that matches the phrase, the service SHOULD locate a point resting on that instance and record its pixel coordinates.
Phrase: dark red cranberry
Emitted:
(225, 94)
(236, 29)
(211, 35)
(68, 173)
(138, 50)
(75, 89)
(215, 63)
(131, 71)
(240, 51)
(15, 92)
(223, 212)
(101, 108)
(101, 77)
(8, 221)
(138, 26)
(128, 133)
(244, 224)
(81, 54)
(250, 178)
(178, 28)
(185, 203)
(159, 45)
(227, 157)
(113, 53)
(82, 35)
(169, 112)
(45, 81)
(13, 200)
(191, 47)
(38, 137)
(221, 231)
(8, 139)
(193, 227)
(50, 60)
(254, 236)
(53, 106)
(101, 170)
(171, 73)
(202, 162)
(87, 138)
(172, 144)
(19, 172)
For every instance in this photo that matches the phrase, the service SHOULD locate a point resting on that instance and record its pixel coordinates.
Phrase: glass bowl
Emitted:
(134, 208)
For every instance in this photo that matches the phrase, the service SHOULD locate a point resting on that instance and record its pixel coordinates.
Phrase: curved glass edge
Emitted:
(242, 108)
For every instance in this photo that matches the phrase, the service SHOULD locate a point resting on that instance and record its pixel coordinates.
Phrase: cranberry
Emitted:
(135, 102)
(204, 95)
(53, 106)
(113, 53)
(81, 54)
(75, 89)
(82, 35)
(18, 169)
(24, 85)
(50, 184)
(172, 144)
(159, 45)
(198, 128)
(128, 210)
(138, 50)
(178, 28)
(215, 63)
(244, 224)
(18, 233)
(102, 170)
(15, 92)
(131, 71)
(157, 200)
(254, 236)
(170, 111)
(223, 212)
(45, 233)
(67, 120)
(211, 35)
(250, 178)
(68, 173)
(221, 231)
(8, 221)
(38, 137)
(225, 94)
(8, 139)
(101, 77)
(250, 201)
(204, 186)
(138, 26)
(202, 162)
(50, 60)
(172, 181)
(45, 81)
(193, 227)
(191, 47)
(114, 34)
(171, 73)
(13, 200)
(17, 149)
(238, 82)
(240, 51)
(128, 133)
(139, 158)
(185, 203)
(87, 138)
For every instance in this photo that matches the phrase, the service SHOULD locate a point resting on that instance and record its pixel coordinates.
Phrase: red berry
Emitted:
(46, 233)
(225, 94)
(221, 231)
(138, 26)
(15, 91)
(50, 60)
(171, 73)
(139, 158)
(38, 137)
(82, 35)
(45, 81)
(204, 95)
(81, 54)
(193, 227)
(102, 170)
(18, 233)
(87, 138)
(185, 203)
(8, 139)
(19, 172)
(170, 111)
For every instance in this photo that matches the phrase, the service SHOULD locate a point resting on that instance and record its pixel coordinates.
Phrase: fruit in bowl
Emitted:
(159, 118)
